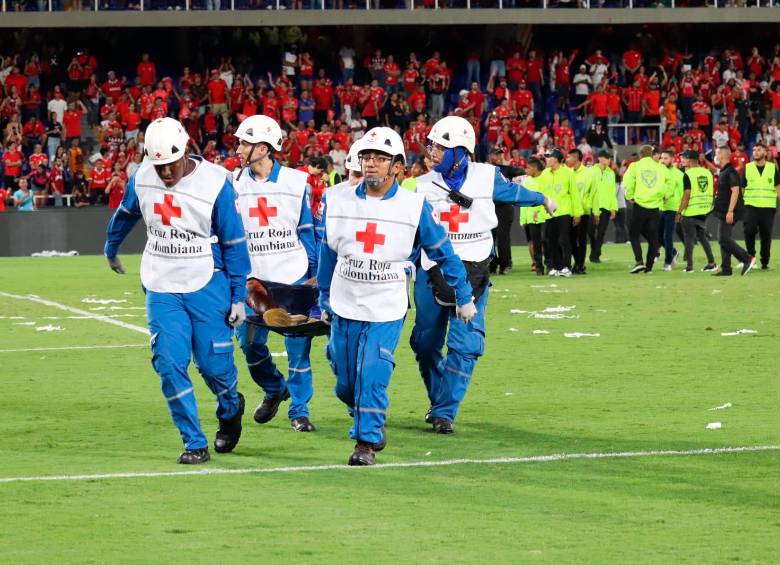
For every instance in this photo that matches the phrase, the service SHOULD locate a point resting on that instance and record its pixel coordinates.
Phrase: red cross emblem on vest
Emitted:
(454, 218)
(167, 210)
(369, 238)
(263, 211)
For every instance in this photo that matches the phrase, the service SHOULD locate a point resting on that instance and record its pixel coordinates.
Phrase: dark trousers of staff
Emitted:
(557, 240)
(597, 234)
(502, 237)
(644, 223)
(759, 221)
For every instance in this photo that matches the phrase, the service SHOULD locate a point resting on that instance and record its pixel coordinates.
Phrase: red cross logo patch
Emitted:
(454, 218)
(166, 210)
(370, 238)
(263, 211)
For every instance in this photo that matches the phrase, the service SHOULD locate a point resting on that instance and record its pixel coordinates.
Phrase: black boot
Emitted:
(229, 431)
(363, 455)
(302, 424)
(441, 426)
(194, 456)
(268, 408)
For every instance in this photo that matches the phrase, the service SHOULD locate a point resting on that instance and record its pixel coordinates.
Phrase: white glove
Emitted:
(550, 205)
(466, 312)
(116, 265)
(325, 317)
(237, 315)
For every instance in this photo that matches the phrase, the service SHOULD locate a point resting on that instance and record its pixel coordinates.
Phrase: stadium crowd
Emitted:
(73, 132)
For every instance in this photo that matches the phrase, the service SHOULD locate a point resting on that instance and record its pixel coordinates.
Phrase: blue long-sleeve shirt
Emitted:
(508, 192)
(230, 250)
(430, 236)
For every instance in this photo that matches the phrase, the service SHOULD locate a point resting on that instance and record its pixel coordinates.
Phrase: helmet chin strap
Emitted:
(248, 162)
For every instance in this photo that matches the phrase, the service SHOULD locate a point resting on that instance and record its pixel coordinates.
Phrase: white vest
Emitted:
(373, 240)
(468, 229)
(271, 212)
(178, 255)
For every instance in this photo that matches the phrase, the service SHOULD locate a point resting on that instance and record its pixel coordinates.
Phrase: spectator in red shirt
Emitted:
(515, 69)
(411, 78)
(147, 71)
(33, 131)
(13, 158)
(535, 76)
(651, 108)
(522, 97)
(632, 60)
(702, 114)
(71, 120)
(115, 189)
(477, 98)
(323, 94)
(218, 96)
(98, 181)
(376, 100)
(392, 75)
(16, 79)
(432, 64)
(37, 157)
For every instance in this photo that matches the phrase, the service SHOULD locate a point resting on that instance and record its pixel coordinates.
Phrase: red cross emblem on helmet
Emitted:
(158, 154)
(373, 134)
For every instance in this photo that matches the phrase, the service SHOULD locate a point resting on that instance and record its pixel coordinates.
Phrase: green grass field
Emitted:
(645, 384)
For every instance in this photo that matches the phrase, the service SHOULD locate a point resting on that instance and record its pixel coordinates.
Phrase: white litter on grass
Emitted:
(723, 406)
(24, 323)
(552, 285)
(128, 293)
(714, 426)
(90, 300)
(540, 332)
(114, 308)
(600, 310)
(427, 453)
(52, 253)
(500, 290)
(738, 332)
(559, 309)
(716, 291)
(513, 330)
(541, 316)
(508, 393)
(554, 291)
(277, 354)
(49, 328)
(580, 334)
(90, 317)
(11, 317)
(515, 311)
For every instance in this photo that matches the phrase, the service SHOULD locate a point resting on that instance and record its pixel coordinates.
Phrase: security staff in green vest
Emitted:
(532, 219)
(670, 207)
(583, 178)
(645, 185)
(557, 182)
(410, 183)
(761, 181)
(604, 204)
(334, 177)
(696, 204)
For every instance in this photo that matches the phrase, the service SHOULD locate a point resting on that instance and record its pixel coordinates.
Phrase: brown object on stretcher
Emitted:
(280, 318)
(258, 298)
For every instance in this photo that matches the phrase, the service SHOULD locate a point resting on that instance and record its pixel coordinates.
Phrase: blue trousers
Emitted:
(361, 355)
(264, 372)
(194, 325)
(446, 378)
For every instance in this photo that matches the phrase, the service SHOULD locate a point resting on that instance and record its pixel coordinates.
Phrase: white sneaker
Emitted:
(565, 272)
(667, 267)
(553, 273)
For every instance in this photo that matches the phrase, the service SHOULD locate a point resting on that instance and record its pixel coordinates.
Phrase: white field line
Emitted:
(74, 347)
(78, 311)
(444, 463)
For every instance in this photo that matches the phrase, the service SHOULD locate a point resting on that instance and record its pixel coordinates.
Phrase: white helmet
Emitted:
(453, 131)
(353, 163)
(260, 129)
(385, 140)
(165, 141)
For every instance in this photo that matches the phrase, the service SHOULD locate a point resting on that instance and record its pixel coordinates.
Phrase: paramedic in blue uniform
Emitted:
(193, 270)
(371, 232)
(469, 228)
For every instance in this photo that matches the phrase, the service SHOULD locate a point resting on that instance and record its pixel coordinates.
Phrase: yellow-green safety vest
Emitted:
(674, 179)
(760, 190)
(700, 201)
(527, 212)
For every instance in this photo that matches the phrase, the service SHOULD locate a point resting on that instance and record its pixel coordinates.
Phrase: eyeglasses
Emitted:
(377, 159)
(435, 147)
